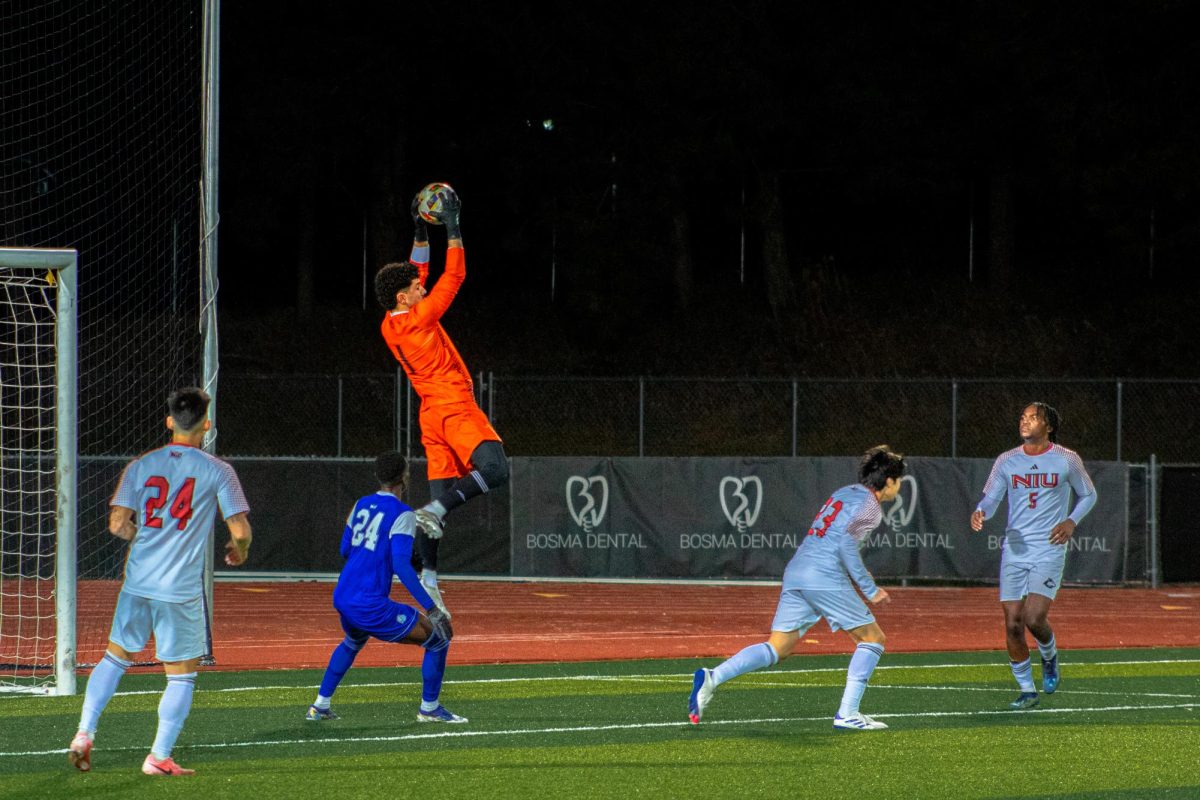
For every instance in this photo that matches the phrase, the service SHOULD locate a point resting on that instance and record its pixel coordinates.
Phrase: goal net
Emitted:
(101, 151)
(37, 470)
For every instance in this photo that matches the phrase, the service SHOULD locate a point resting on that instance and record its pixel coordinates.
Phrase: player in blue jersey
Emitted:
(1038, 478)
(377, 542)
(165, 505)
(816, 583)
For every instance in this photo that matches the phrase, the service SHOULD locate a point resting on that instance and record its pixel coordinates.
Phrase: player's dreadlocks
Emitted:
(1049, 414)
(393, 278)
(878, 464)
(187, 407)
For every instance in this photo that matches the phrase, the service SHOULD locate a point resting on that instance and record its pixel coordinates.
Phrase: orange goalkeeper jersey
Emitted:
(418, 341)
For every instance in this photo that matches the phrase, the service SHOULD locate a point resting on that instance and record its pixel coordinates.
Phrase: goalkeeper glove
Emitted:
(441, 623)
(420, 230)
(451, 207)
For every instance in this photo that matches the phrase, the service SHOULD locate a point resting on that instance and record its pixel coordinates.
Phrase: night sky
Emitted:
(734, 188)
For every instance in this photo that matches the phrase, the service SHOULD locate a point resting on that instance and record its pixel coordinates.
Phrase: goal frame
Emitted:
(64, 265)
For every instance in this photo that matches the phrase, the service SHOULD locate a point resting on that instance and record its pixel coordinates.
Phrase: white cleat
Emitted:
(857, 722)
(440, 714)
(702, 692)
(429, 522)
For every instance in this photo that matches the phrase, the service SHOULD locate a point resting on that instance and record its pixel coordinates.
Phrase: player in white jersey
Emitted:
(1038, 478)
(816, 583)
(165, 505)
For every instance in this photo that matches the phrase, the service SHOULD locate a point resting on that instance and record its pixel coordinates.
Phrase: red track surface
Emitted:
(294, 625)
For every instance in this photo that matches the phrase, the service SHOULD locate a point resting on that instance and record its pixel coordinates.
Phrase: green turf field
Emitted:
(1124, 724)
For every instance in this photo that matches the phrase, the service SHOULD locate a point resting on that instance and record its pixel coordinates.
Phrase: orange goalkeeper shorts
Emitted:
(450, 433)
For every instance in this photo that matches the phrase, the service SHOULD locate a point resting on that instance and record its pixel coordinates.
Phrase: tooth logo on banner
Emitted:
(740, 510)
(904, 506)
(587, 500)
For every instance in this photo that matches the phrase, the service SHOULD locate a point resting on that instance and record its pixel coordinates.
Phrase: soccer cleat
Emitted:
(166, 766)
(320, 714)
(857, 721)
(79, 754)
(702, 692)
(439, 714)
(1050, 675)
(429, 522)
(1024, 700)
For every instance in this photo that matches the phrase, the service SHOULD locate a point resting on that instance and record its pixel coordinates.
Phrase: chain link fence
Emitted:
(356, 415)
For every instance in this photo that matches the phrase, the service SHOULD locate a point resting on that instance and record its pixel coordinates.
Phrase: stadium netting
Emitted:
(101, 143)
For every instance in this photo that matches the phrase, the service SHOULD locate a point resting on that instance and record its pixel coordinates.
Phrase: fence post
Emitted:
(1152, 508)
(339, 417)
(408, 418)
(1119, 410)
(641, 416)
(954, 419)
(491, 395)
(795, 405)
(400, 411)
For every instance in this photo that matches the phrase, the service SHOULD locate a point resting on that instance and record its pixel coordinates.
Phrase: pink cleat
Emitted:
(79, 754)
(153, 766)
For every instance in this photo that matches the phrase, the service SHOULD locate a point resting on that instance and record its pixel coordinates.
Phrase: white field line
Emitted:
(656, 677)
(463, 734)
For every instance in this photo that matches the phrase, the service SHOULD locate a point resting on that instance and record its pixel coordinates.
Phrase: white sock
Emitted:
(429, 705)
(322, 702)
(862, 664)
(748, 659)
(1023, 672)
(173, 709)
(1048, 649)
(429, 577)
(101, 686)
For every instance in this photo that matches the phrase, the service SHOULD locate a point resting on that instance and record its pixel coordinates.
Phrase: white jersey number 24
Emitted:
(366, 529)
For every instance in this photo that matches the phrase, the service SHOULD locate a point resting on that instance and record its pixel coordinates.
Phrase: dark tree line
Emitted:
(781, 154)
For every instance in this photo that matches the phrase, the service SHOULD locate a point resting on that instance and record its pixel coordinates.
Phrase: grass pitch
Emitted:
(1124, 724)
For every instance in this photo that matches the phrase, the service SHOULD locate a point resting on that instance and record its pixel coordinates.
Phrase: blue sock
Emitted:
(1048, 649)
(101, 686)
(748, 659)
(1023, 672)
(862, 664)
(173, 709)
(340, 662)
(433, 669)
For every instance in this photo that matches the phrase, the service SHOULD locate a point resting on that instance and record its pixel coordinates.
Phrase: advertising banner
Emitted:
(744, 518)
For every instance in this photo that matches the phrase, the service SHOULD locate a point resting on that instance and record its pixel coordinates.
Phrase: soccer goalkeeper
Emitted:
(465, 454)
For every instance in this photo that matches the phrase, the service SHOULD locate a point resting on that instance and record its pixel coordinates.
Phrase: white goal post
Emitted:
(38, 505)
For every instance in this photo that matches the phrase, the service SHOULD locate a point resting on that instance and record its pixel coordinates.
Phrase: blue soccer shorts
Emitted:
(180, 629)
(387, 621)
(799, 609)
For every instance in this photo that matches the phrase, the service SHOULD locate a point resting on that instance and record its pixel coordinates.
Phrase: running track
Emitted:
(293, 625)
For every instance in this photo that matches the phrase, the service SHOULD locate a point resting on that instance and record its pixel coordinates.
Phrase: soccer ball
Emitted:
(431, 199)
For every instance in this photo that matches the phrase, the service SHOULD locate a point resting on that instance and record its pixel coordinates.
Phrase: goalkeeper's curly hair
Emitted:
(393, 278)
